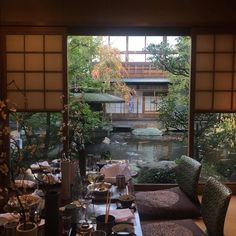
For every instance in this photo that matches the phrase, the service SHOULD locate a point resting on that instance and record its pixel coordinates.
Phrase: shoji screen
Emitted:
(213, 75)
(213, 72)
(35, 69)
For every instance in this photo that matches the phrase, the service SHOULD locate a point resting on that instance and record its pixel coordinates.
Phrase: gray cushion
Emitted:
(171, 228)
(166, 204)
(187, 175)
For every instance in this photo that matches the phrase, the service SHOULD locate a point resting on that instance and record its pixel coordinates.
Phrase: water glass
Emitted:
(120, 181)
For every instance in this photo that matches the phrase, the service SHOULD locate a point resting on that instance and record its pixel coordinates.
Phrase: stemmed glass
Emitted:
(85, 202)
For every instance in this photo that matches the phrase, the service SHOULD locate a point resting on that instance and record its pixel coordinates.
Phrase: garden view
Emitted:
(96, 67)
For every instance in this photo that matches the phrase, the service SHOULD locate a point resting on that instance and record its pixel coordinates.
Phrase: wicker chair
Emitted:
(174, 203)
(215, 201)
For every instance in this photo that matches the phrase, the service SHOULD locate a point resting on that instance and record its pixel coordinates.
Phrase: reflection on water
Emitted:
(126, 146)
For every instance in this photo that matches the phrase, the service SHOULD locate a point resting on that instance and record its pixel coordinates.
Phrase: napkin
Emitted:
(9, 217)
(44, 164)
(34, 166)
(24, 183)
(110, 171)
(122, 215)
(39, 165)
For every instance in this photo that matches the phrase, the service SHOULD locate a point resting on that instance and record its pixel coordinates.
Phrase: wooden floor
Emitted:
(230, 221)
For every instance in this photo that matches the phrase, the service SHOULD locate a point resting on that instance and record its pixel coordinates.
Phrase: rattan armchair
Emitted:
(177, 202)
(215, 201)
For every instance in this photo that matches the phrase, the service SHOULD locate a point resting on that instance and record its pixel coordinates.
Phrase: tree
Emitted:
(82, 54)
(95, 66)
(91, 66)
(176, 60)
(109, 70)
(40, 127)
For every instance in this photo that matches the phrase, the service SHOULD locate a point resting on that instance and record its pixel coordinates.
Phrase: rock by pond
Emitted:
(147, 132)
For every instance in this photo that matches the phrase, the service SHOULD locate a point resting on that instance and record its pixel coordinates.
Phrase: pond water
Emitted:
(141, 149)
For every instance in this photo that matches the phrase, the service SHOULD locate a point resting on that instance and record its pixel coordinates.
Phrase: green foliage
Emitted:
(39, 134)
(176, 60)
(173, 115)
(92, 65)
(109, 70)
(154, 176)
(215, 139)
(209, 169)
(106, 155)
(224, 132)
(214, 133)
(82, 121)
(82, 54)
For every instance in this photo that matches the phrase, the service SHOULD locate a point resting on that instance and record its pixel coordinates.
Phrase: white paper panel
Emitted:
(53, 62)
(204, 81)
(223, 62)
(35, 100)
(224, 43)
(203, 100)
(15, 62)
(34, 43)
(204, 62)
(205, 43)
(222, 100)
(18, 79)
(28, 65)
(53, 101)
(34, 62)
(34, 81)
(53, 43)
(15, 43)
(53, 81)
(223, 81)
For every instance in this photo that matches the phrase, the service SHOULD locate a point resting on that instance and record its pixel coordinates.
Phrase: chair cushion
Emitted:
(187, 175)
(166, 204)
(171, 228)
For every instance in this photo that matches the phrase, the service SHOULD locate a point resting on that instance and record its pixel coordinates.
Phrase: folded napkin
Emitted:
(44, 164)
(56, 161)
(24, 183)
(34, 166)
(9, 217)
(39, 165)
(112, 170)
(122, 215)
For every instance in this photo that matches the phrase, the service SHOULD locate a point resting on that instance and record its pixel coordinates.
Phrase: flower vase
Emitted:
(29, 229)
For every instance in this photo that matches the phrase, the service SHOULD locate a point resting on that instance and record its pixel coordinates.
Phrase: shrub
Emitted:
(154, 176)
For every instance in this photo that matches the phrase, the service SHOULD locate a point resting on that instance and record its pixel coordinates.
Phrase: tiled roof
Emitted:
(99, 98)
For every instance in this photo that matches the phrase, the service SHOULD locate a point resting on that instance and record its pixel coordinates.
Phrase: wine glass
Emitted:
(85, 202)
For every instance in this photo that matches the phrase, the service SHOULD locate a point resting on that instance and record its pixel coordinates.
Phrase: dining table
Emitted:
(98, 207)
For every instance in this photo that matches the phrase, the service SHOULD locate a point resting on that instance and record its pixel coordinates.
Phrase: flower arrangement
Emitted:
(16, 158)
(5, 109)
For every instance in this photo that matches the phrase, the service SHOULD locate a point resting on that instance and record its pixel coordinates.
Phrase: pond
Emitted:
(141, 149)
